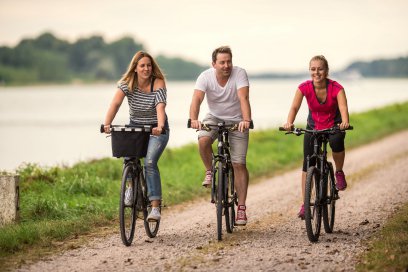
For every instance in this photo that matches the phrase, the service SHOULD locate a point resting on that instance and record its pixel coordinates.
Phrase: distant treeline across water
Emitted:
(48, 59)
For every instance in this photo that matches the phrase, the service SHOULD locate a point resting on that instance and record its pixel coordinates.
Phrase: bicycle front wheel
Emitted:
(127, 211)
(220, 199)
(330, 191)
(313, 211)
(229, 197)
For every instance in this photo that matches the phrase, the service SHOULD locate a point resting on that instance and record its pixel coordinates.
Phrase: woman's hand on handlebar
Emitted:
(288, 126)
(106, 129)
(157, 131)
(344, 125)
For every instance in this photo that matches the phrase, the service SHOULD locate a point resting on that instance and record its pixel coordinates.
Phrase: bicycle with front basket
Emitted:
(320, 189)
(223, 193)
(131, 142)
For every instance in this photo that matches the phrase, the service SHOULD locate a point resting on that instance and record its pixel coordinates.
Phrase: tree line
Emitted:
(48, 59)
(397, 67)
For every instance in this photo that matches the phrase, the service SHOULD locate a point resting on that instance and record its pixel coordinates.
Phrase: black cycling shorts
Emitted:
(336, 142)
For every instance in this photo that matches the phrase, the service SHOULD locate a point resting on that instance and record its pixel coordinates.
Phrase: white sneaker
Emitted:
(154, 215)
(129, 196)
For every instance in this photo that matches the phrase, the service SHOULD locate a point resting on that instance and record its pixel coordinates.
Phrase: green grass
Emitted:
(388, 250)
(59, 203)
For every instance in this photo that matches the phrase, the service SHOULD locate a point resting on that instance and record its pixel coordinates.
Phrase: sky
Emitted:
(264, 35)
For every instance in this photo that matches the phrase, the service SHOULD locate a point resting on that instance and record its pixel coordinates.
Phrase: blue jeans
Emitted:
(156, 147)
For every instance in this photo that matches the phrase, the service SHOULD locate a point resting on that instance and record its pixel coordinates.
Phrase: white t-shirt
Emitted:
(223, 102)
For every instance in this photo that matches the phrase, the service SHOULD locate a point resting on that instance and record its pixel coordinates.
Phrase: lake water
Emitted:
(54, 125)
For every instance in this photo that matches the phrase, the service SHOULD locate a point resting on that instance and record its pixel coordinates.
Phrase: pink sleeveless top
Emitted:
(324, 114)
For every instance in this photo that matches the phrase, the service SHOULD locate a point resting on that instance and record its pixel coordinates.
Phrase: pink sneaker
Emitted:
(301, 213)
(207, 178)
(241, 219)
(341, 183)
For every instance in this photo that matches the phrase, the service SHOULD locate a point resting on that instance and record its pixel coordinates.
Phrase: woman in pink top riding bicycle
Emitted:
(327, 104)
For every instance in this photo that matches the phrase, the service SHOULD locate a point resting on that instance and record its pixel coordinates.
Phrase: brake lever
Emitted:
(206, 128)
(233, 128)
(297, 132)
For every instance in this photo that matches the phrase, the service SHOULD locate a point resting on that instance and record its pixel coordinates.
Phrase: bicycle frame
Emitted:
(223, 155)
(320, 154)
(320, 177)
(139, 208)
(222, 182)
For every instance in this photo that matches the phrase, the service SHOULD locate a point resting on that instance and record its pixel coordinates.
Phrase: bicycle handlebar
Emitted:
(230, 127)
(140, 128)
(299, 131)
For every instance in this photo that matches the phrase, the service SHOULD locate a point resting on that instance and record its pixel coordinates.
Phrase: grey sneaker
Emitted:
(154, 215)
(129, 196)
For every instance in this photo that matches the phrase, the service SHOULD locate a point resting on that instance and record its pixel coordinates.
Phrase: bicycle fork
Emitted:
(215, 161)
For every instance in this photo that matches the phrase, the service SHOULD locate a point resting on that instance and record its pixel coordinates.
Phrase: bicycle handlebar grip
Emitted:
(251, 125)
(189, 123)
(283, 129)
(350, 128)
(102, 128)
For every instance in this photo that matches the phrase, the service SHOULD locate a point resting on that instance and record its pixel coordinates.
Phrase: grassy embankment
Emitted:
(57, 204)
(388, 249)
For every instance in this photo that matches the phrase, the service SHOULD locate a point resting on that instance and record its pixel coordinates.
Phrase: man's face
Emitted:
(223, 64)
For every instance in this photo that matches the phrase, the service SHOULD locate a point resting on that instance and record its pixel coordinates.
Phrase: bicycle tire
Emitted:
(151, 227)
(220, 198)
(127, 214)
(229, 197)
(214, 183)
(313, 210)
(329, 210)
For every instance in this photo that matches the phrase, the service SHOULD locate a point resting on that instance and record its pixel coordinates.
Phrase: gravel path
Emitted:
(274, 239)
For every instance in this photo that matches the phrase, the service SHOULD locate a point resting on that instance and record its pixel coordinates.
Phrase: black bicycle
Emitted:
(131, 143)
(320, 189)
(223, 193)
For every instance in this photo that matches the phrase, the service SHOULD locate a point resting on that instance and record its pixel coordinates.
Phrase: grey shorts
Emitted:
(238, 140)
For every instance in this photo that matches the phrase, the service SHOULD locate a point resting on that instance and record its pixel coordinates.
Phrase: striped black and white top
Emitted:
(142, 106)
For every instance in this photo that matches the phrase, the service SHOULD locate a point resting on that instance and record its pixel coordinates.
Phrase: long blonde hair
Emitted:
(130, 77)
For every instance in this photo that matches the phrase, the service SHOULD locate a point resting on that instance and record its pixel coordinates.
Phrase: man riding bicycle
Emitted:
(227, 90)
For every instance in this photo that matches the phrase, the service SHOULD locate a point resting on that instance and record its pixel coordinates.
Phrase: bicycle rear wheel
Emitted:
(127, 213)
(229, 200)
(329, 210)
(220, 199)
(313, 210)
